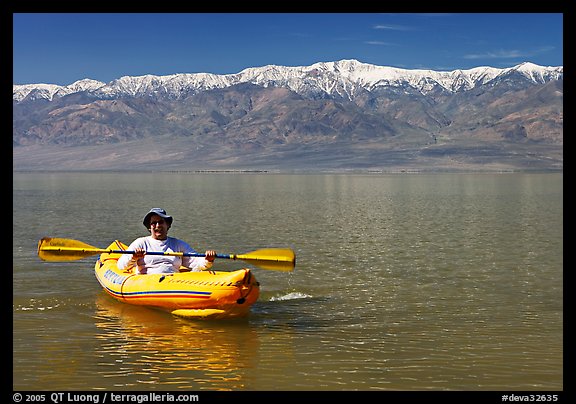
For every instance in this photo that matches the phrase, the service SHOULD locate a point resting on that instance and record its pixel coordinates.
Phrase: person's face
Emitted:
(158, 227)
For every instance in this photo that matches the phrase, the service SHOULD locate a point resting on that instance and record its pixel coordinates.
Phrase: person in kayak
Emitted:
(158, 222)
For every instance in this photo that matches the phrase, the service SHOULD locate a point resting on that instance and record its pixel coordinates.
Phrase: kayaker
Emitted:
(158, 222)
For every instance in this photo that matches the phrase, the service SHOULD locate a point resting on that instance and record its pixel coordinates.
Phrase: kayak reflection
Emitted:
(141, 346)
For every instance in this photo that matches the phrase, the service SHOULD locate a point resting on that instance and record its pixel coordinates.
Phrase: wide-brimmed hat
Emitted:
(156, 211)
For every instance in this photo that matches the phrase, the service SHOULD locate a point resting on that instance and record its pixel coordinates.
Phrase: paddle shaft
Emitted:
(103, 250)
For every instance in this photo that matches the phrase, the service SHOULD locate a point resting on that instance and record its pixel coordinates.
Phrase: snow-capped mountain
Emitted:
(343, 114)
(342, 79)
(51, 91)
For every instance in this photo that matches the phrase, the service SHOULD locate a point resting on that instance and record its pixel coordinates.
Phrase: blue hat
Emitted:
(159, 212)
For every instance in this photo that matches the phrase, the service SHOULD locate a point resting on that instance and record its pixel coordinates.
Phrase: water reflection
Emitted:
(140, 346)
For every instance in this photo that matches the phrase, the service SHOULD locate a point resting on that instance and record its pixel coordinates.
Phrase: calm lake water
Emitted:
(402, 282)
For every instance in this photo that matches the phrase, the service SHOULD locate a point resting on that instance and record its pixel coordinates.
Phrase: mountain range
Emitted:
(343, 115)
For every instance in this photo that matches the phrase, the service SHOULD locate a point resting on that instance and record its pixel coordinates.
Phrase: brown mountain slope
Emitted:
(245, 126)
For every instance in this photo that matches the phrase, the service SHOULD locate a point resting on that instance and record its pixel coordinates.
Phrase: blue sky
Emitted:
(60, 48)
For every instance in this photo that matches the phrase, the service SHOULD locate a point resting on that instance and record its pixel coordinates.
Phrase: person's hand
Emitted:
(210, 255)
(138, 253)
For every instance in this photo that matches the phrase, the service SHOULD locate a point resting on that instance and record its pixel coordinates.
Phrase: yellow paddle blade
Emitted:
(277, 259)
(63, 249)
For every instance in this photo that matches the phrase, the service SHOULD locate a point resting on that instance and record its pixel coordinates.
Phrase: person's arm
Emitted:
(128, 261)
(125, 262)
(205, 263)
(197, 263)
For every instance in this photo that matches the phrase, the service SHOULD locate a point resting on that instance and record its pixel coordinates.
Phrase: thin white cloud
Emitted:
(545, 49)
(379, 43)
(393, 27)
(508, 54)
(501, 54)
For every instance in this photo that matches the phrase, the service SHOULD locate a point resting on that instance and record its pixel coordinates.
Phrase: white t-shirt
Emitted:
(162, 264)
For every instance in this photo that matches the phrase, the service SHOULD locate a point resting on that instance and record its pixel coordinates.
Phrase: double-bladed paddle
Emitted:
(62, 249)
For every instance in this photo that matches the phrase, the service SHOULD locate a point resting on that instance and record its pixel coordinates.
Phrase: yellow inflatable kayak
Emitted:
(207, 294)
